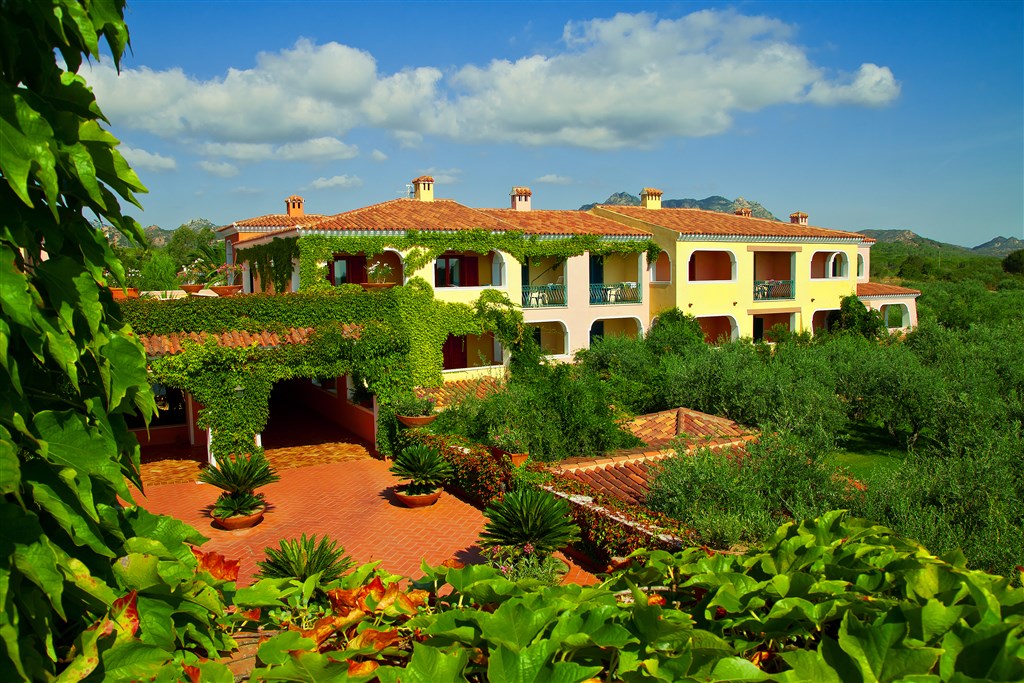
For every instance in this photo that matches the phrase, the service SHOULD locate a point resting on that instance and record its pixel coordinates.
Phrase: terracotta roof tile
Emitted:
(651, 192)
(424, 179)
(553, 222)
(450, 393)
(277, 220)
(523, 191)
(170, 344)
(412, 214)
(626, 475)
(882, 289)
(700, 222)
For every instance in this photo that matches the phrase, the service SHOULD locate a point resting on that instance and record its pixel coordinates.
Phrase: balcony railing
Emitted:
(615, 293)
(770, 290)
(543, 296)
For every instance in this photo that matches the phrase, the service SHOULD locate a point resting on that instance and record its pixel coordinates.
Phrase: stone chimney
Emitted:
(650, 198)
(424, 188)
(293, 205)
(521, 198)
(743, 211)
(798, 218)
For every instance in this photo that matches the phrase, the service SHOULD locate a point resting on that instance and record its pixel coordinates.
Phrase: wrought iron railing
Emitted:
(543, 296)
(769, 290)
(615, 293)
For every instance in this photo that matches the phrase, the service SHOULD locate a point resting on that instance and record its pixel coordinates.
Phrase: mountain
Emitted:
(713, 203)
(999, 246)
(155, 235)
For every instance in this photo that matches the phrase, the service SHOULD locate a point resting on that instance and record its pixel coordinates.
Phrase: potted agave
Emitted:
(238, 477)
(413, 411)
(425, 470)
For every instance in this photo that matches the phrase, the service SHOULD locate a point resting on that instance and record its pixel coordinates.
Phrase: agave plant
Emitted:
(423, 467)
(300, 558)
(529, 517)
(238, 476)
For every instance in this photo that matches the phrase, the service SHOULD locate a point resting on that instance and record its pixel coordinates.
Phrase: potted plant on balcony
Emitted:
(509, 440)
(378, 272)
(426, 471)
(238, 477)
(192, 279)
(413, 411)
(222, 280)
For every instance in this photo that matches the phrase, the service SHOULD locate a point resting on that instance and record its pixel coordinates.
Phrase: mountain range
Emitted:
(713, 203)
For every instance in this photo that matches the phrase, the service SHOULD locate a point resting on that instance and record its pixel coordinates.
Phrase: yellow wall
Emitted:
(737, 298)
(622, 327)
(544, 271)
(621, 268)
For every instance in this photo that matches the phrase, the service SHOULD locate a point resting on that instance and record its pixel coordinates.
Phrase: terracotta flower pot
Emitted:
(416, 420)
(418, 501)
(122, 294)
(192, 289)
(377, 285)
(516, 458)
(239, 521)
(226, 290)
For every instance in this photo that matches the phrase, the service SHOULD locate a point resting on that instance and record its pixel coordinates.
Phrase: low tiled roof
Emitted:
(170, 344)
(450, 393)
(277, 220)
(882, 289)
(701, 222)
(424, 179)
(412, 214)
(547, 222)
(626, 475)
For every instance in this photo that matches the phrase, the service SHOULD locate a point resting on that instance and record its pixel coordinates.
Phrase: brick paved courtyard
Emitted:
(349, 500)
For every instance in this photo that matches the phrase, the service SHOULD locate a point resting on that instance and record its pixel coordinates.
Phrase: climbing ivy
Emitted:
(420, 248)
(272, 261)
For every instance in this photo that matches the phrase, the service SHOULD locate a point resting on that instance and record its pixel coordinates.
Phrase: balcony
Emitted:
(615, 293)
(544, 296)
(774, 290)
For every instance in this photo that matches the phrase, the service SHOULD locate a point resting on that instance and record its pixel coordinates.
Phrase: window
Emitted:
(348, 269)
(456, 270)
(860, 265)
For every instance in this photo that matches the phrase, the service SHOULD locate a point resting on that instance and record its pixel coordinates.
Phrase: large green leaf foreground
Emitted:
(832, 599)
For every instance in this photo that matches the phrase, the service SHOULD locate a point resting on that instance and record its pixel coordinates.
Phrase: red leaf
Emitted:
(193, 673)
(362, 668)
(655, 600)
(218, 565)
(125, 612)
(377, 639)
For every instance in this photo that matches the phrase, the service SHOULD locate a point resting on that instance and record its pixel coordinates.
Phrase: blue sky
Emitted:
(864, 115)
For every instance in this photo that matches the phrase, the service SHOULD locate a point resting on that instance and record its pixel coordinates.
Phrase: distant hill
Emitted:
(997, 247)
(714, 203)
(155, 235)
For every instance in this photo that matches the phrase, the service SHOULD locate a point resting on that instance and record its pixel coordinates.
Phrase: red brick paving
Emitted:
(349, 501)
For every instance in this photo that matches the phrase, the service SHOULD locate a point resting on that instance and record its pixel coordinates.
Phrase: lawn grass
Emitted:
(866, 450)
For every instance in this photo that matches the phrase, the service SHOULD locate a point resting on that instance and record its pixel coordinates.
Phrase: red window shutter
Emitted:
(470, 271)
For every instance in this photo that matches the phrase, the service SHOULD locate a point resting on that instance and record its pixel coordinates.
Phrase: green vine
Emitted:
(273, 261)
(420, 248)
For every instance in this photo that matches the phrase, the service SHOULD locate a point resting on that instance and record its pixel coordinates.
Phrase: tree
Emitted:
(69, 550)
(855, 317)
(1014, 262)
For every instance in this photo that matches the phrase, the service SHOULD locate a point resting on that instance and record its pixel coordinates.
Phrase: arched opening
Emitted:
(386, 267)
(461, 352)
(661, 269)
(860, 265)
(831, 264)
(711, 266)
(763, 325)
(824, 319)
(896, 316)
(839, 265)
(552, 337)
(622, 327)
(719, 328)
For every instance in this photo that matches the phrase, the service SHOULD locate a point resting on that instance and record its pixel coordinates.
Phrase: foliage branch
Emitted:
(272, 262)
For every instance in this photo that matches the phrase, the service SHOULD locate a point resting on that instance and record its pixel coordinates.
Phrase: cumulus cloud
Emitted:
(142, 160)
(221, 169)
(872, 85)
(628, 80)
(341, 181)
(554, 179)
(445, 176)
(378, 155)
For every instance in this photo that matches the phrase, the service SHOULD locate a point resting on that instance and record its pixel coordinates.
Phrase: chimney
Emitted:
(424, 188)
(520, 198)
(650, 198)
(294, 206)
(743, 211)
(798, 218)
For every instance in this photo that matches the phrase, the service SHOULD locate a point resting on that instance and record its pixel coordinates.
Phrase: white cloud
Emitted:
(873, 85)
(221, 169)
(554, 179)
(246, 190)
(342, 181)
(378, 155)
(628, 80)
(444, 176)
(140, 159)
